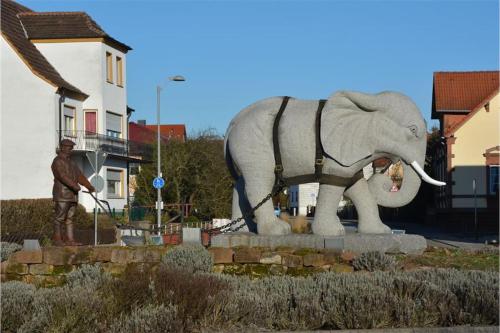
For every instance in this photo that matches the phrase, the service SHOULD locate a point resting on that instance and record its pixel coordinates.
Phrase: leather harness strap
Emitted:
(318, 175)
(318, 157)
(278, 165)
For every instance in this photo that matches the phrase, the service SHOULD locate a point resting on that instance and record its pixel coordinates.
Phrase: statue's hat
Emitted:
(66, 142)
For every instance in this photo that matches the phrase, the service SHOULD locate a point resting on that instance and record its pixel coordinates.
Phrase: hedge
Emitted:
(35, 216)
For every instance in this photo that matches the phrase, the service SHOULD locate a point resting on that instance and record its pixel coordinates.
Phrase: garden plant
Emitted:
(182, 295)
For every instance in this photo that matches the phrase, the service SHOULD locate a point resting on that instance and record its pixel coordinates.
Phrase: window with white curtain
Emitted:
(69, 120)
(114, 183)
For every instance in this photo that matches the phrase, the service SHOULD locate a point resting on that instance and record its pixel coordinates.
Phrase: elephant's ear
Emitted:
(347, 126)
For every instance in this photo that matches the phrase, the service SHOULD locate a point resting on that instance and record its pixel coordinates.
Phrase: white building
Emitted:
(62, 76)
(304, 196)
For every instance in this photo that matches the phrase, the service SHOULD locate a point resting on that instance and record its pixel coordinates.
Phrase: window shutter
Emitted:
(113, 122)
(114, 175)
(69, 112)
(90, 122)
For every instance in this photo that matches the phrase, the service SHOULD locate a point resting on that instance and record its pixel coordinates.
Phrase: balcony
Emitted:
(90, 141)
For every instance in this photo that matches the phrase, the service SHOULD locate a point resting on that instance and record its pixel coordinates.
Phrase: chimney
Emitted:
(141, 122)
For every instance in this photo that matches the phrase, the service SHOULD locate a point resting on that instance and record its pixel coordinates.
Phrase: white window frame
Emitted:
(69, 131)
(120, 184)
(490, 192)
(112, 133)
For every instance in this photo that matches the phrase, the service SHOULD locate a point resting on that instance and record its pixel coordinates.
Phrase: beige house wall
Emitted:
(473, 138)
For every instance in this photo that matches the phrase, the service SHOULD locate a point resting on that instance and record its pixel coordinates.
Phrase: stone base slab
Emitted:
(357, 243)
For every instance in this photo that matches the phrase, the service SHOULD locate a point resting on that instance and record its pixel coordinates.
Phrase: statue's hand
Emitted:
(91, 188)
(76, 188)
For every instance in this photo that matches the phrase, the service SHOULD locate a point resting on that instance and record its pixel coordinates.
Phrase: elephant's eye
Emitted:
(413, 129)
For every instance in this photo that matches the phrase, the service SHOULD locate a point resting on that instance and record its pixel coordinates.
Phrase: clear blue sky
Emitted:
(233, 53)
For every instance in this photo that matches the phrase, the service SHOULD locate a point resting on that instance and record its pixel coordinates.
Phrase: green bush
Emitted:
(7, 249)
(35, 217)
(68, 309)
(17, 304)
(355, 301)
(148, 319)
(198, 297)
(172, 300)
(192, 258)
(191, 218)
(88, 276)
(373, 261)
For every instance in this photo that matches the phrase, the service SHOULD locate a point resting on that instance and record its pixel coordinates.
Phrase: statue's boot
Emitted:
(70, 240)
(56, 237)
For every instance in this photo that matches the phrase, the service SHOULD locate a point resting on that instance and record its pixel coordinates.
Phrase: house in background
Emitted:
(143, 139)
(467, 105)
(302, 198)
(171, 131)
(63, 76)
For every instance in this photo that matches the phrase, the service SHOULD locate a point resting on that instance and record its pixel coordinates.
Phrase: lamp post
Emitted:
(159, 203)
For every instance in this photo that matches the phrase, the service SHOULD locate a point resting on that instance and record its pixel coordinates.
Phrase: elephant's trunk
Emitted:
(380, 186)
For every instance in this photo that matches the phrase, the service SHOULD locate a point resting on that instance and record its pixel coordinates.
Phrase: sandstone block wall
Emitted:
(49, 265)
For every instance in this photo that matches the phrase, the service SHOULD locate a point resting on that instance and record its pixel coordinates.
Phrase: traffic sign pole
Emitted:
(158, 183)
(95, 203)
(96, 159)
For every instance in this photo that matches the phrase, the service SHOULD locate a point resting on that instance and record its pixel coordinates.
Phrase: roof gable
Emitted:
(462, 91)
(63, 25)
(14, 33)
(454, 128)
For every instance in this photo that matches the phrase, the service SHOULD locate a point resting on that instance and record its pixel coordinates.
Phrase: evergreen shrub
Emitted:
(373, 261)
(7, 249)
(148, 319)
(191, 258)
(34, 217)
(172, 300)
(17, 304)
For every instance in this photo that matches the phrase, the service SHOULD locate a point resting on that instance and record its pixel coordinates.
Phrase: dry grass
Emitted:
(298, 223)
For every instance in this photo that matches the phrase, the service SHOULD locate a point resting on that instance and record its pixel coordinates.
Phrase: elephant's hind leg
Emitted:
(326, 222)
(257, 188)
(241, 207)
(368, 218)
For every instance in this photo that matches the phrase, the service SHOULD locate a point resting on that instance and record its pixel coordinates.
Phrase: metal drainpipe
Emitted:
(61, 100)
(128, 169)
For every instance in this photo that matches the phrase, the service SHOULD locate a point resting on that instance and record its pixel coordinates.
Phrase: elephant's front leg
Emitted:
(368, 217)
(326, 222)
(257, 188)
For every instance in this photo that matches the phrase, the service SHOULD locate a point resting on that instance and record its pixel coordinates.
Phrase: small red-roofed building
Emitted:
(177, 131)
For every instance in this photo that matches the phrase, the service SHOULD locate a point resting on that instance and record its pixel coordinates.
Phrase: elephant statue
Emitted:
(355, 129)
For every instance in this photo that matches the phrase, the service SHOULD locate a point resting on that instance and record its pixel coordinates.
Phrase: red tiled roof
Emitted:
(13, 31)
(462, 91)
(140, 133)
(50, 25)
(171, 131)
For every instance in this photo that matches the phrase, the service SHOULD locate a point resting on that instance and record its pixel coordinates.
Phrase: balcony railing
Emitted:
(90, 141)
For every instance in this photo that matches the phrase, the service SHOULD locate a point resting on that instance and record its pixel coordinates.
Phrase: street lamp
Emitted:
(176, 78)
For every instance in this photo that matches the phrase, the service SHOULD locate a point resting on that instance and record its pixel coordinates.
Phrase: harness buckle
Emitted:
(278, 168)
(319, 161)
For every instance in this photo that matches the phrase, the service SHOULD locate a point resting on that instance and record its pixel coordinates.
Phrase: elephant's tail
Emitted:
(229, 161)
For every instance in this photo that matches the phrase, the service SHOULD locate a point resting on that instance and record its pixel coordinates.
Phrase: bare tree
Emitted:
(195, 173)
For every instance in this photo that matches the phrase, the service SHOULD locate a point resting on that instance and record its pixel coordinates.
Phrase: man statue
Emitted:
(67, 177)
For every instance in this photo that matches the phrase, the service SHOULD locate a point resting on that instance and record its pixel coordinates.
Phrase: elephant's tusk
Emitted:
(425, 177)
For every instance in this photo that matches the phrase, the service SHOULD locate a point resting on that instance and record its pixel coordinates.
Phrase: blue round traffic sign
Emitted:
(158, 182)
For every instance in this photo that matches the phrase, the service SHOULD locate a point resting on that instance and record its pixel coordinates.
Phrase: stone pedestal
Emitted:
(191, 236)
(357, 243)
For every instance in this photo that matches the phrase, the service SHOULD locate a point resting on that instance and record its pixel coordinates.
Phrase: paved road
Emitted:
(435, 236)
